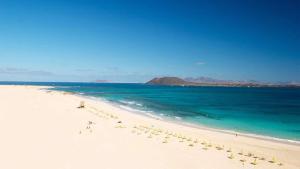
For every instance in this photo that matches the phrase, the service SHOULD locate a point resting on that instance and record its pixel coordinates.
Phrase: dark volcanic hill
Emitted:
(172, 81)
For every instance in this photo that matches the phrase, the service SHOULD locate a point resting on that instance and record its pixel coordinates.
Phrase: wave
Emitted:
(178, 118)
(133, 103)
(127, 108)
(147, 113)
(154, 116)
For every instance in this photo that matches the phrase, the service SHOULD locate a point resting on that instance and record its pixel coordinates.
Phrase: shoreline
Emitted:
(47, 125)
(188, 124)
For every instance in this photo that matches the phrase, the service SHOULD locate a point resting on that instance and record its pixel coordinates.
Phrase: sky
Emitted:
(134, 41)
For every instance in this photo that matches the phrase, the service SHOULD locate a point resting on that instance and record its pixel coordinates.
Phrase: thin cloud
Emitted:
(84, 70)
(20, 74)
(21, 71)
(200, 63)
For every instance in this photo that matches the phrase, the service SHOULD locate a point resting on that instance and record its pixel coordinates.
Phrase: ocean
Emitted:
(271, 112)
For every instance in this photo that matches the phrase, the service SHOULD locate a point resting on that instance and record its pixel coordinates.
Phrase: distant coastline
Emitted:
(176, 81)
(151, 82)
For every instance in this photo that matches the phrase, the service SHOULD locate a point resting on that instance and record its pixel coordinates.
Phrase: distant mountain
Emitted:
(206, 81)
(218, 82)
(171, 81)
(203, 80)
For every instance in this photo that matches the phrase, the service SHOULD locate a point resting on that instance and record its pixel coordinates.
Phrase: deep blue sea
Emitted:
(273, 112)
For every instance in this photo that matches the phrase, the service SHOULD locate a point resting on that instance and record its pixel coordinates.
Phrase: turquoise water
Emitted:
(271, 112)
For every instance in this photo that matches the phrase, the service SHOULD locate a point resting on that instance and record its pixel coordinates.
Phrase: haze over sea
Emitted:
(273, 112)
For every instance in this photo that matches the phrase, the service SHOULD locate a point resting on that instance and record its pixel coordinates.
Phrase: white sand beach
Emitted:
(42, 129)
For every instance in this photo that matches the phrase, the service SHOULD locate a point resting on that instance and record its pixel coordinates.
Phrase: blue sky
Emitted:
(133, 41)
